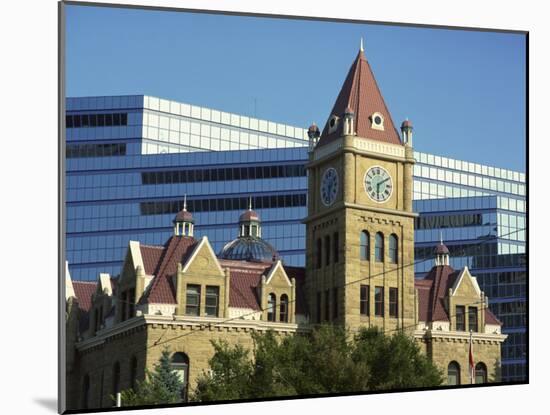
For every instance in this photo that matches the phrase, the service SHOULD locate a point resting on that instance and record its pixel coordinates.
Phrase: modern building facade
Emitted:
(358, 270)
(131, 160)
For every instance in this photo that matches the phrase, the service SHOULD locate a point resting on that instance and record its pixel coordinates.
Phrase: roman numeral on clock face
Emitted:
(378, 184)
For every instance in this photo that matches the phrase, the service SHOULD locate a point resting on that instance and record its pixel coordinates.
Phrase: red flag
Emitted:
(471, 358)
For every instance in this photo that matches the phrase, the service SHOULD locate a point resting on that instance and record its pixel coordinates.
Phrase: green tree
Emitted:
(326, 360)
(394, 362)
(160, 386)
(229, 376)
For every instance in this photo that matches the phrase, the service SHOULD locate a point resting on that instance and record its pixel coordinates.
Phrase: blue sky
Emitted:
(464, 91)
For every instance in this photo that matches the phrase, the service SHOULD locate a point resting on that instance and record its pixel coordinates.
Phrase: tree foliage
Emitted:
(160, 386)
(327, 360)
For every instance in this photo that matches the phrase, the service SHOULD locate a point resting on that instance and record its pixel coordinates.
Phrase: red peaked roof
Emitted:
(151, 257)
(360, 94)
(432, 291)
(162, 261)
(175, 251)
(84, 291)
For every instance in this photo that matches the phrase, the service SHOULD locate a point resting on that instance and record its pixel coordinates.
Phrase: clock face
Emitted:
(329, 186)
(378, 184)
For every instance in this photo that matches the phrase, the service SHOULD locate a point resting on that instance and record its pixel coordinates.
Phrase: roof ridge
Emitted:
(383, 100)
(151, 246)
(162, 266)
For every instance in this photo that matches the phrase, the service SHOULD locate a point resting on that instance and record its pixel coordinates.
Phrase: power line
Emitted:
(241, 317)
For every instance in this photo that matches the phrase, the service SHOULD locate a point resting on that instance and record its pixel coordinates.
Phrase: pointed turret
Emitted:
(360, 108)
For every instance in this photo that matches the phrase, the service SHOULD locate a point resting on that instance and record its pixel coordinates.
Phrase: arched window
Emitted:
(86, 392)
(336, 246)
(379, 247)
(116, 379)
(283, 314)
(453, 374)
(133, 372)
(180, 364)
(327, 249)
(318, 253)
(271, 304)
(481, 373)
(365, 246)
(393, 248)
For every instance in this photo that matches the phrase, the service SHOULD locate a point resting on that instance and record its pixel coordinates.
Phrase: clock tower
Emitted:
(360, 223)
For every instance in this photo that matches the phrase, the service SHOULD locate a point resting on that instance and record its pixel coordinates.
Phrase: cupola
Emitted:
(250, 223)
(441, 254)
(183, 222)
(313, 133)
(249, 246)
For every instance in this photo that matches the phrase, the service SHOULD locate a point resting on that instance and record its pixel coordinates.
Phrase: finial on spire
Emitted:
(250, 203)
(441, 237)
(361, 47)
(185, 202)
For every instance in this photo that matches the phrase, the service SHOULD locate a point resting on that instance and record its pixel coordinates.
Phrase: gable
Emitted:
(131, 261)
(203, 260)
(466, 285)
(104, 284)
(277, 277)
(69, 290)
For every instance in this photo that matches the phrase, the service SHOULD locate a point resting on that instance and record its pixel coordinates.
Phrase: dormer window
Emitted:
(377, 121)
(333, 124)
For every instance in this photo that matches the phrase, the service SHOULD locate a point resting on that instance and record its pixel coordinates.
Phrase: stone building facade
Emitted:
(359, 272)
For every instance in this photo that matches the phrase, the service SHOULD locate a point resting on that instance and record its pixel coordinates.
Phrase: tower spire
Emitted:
(360, 93)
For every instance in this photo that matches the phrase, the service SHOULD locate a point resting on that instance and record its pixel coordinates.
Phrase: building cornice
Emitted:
(340, 205)
(459, 335)
(361, 146)
(102, 335)
(210, 323)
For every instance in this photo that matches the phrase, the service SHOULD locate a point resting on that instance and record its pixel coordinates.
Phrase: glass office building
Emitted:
(480, 213)
(131, 160)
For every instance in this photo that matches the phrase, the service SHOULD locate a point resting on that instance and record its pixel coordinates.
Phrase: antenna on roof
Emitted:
(185, 202)
(361, 47)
